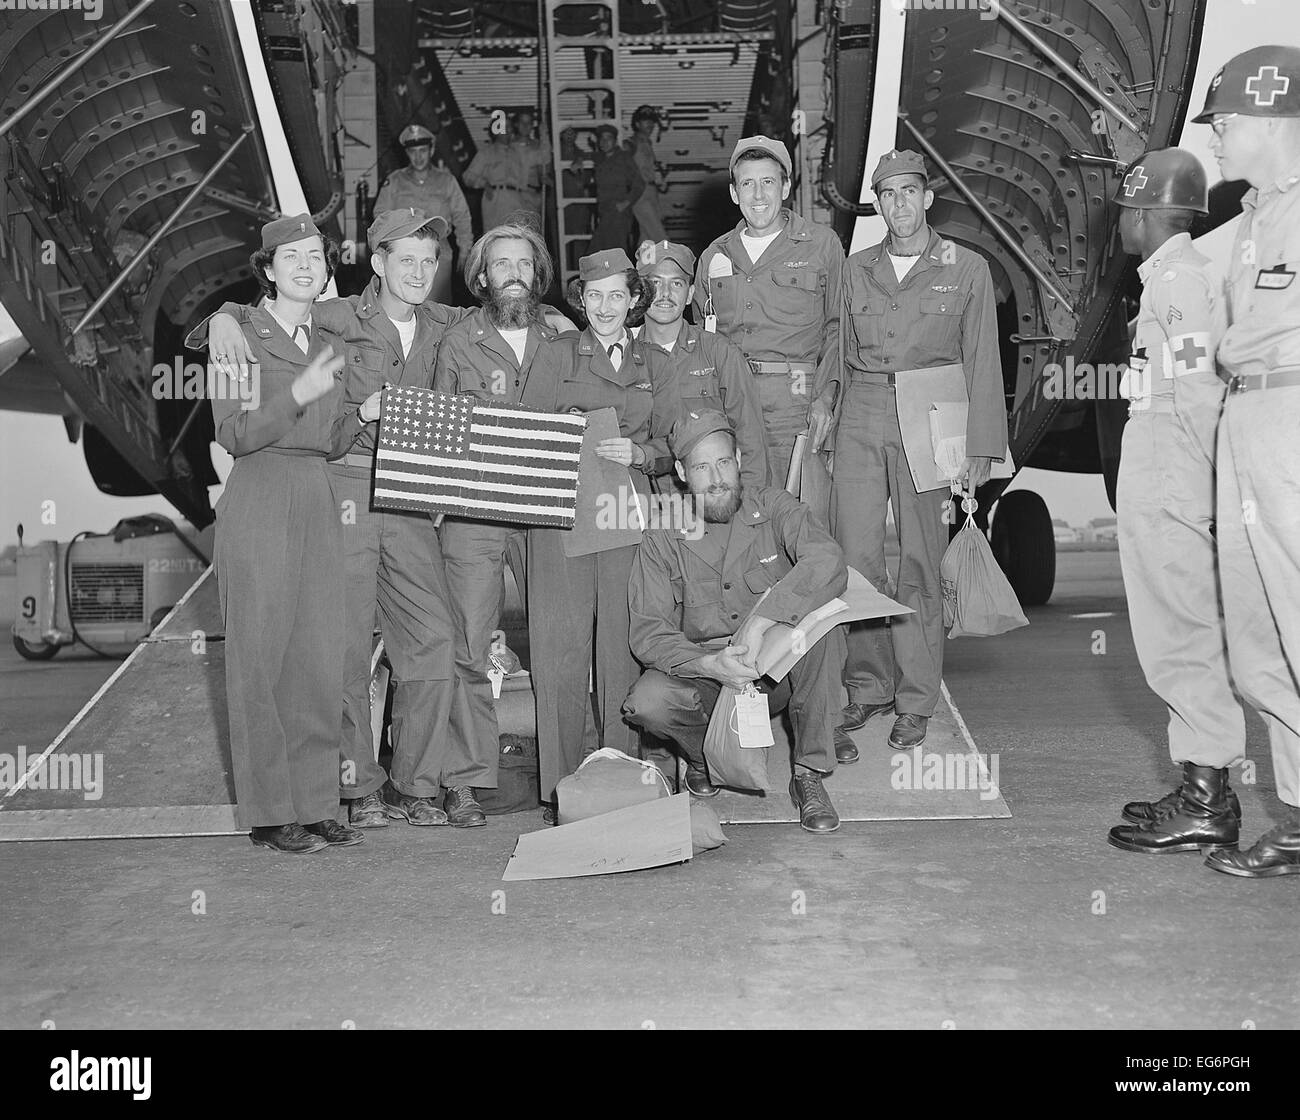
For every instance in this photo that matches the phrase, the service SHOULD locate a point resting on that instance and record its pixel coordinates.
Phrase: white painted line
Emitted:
(970, 740)
(89, 704)
(1095, 614)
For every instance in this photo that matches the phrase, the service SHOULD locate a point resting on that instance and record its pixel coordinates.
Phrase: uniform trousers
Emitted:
(476, 553)
(1258, 528)
(393, 561)
(648, 217)
(279, 566)
(1165, 507)
(901, 660)
(678, 708)
(784, 398)
(575, 603)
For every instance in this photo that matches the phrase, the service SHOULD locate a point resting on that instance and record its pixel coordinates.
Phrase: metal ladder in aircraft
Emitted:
(578, 68)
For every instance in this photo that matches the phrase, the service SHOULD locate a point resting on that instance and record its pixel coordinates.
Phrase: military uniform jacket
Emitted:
(1180, 322)
(474, 360)
(706, 371)
(278, 420)
(439, 195)
(941, 314)
(686, 595)
(588, 381)
(784, 307)
(1263, 334)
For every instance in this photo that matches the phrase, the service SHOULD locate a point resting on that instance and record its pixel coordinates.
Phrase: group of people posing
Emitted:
(633, 643)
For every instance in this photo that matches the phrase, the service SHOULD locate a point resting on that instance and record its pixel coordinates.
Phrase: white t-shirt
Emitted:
(755, 246)
(406, 333)
(902, 265)
(516, 340)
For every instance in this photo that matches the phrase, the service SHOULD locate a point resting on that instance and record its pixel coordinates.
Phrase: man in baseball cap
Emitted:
(699, 370)
(1253, 106)
(690, 652)
(422, 186)
(771, 287)
(1166, 507)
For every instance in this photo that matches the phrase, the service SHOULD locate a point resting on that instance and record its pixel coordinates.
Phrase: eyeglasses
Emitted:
(1220, 122)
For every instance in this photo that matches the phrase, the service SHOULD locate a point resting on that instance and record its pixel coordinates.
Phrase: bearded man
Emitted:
(697, 622)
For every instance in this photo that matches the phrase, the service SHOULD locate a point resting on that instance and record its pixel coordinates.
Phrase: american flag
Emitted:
(443, 454)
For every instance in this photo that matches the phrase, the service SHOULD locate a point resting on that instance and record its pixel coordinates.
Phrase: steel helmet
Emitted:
(1260, 82)
(1166, 179)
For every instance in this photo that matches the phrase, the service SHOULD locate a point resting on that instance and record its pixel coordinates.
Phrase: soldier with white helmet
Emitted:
(1253, 106)
(1165, 503)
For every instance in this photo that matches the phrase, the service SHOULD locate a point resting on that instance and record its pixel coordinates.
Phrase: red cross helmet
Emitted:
(1166, 179)
(1260, 82)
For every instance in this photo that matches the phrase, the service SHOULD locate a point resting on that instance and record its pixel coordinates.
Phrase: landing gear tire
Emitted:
(34, 651)
(1025, 546)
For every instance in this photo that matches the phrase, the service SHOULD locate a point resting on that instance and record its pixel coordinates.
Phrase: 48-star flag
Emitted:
(443, 454)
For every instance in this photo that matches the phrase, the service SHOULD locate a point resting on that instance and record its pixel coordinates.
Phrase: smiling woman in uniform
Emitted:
(574, 601)
(279, 556)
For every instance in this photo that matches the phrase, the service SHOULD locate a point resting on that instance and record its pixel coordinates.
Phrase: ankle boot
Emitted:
(1203, 818)
(1144, 812)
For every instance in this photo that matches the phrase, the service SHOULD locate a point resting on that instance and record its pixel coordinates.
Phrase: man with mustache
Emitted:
(913, 301)
(691, 595)
(702, 370)
(501, 354)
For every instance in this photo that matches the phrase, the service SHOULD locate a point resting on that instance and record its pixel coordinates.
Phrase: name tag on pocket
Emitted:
(1274, 279)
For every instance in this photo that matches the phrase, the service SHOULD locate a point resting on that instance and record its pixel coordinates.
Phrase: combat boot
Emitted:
(1144, 812)
(1201, 820)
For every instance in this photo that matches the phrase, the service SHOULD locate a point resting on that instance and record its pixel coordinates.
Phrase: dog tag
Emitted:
(753, 724)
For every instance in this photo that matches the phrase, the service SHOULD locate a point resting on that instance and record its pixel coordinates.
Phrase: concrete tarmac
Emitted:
(1029, 922)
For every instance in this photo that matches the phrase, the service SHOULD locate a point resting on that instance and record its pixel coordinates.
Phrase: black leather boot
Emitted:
(1277, 852)
(1201, 820)
(1144, 812)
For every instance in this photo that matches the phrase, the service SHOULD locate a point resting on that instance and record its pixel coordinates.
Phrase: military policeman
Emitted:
(1253, 106)
(913, 301)
(702, 370)
(772, 287)
(422, 186)
(1165, 502)
(690, 596)
(502, 353)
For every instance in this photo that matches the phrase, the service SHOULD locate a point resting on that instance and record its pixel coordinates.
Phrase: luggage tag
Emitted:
(496, 674)
(711, 324)
(753, 724)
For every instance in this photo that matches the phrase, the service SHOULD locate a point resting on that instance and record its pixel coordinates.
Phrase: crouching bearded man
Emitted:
(690, 596)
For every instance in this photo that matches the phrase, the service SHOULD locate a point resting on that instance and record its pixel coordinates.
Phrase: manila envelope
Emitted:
(652, 834)
(916, 392)
(610, 513)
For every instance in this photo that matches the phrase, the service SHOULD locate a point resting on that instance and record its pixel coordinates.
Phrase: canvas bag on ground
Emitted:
(608, 780)
(977, 599)
(730, 764)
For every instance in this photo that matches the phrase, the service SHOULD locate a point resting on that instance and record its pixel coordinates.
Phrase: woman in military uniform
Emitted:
(279, 555)
(578, 602)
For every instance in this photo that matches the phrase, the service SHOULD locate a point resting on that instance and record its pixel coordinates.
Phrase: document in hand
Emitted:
(610, 513)
(917, 392)
(783, 645)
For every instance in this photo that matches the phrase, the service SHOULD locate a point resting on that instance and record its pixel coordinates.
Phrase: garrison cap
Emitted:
(612, 129)
(650, 253)
(392, 224)
(693, 426)
(906, 162)
(415, 134)
(282, 231)
(774, 148)
(1260, 82)
(606, 263)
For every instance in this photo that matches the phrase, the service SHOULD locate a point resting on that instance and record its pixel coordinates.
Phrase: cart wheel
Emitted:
(34, 651)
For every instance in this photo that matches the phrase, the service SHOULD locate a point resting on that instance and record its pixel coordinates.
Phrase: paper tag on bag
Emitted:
(496, 676)
(753, 724)
(711, 324)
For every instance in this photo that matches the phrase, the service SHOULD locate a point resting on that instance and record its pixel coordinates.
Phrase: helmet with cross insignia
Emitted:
(1166, 179)
(1260, 82)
